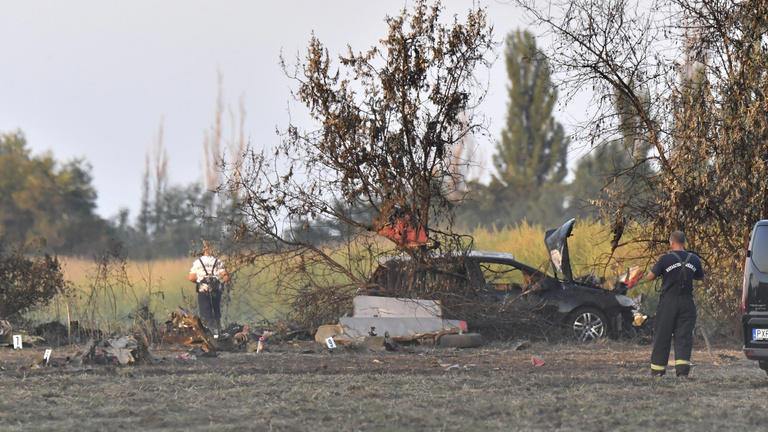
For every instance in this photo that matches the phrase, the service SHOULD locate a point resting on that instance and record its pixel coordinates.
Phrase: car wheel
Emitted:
(588, 324)
(466, 340)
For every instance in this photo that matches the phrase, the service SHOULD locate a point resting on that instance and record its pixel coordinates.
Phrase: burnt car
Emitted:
(587, 310)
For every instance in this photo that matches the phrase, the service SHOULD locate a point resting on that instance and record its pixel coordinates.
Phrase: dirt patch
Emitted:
(304, 387)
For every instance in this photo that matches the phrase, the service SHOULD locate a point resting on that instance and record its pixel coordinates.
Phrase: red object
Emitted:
(632, 282)
(404, 233)
(463, 325)
(537, 362)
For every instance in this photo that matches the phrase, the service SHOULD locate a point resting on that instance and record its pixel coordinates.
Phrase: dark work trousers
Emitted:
(675, 315)
(210, 307)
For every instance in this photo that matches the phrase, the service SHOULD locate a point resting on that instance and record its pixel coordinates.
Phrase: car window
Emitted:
(505, 277)
(494, 273)
(760, 248)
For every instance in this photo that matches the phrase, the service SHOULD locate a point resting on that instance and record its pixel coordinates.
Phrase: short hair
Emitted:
(677, 237)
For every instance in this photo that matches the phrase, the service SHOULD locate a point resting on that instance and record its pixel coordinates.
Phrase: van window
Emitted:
(760, 248)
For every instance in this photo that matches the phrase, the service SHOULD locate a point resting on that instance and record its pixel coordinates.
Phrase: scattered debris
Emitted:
(410, 319)
(537, 362)
(521, 345)
(119, 350)
(186, 328)
(8, 333)
(389, 344)
(400, 320)
(241, 338)
(325, 331)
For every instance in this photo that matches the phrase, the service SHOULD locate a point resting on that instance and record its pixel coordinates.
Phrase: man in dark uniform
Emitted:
(676, 313)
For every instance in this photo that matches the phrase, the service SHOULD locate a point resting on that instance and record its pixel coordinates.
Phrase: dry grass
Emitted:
(161, 285)
(597, 387)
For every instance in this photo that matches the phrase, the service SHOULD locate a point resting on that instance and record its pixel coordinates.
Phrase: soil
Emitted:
(303, 386)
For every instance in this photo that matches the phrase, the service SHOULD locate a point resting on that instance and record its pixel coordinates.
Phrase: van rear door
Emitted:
(756, 275)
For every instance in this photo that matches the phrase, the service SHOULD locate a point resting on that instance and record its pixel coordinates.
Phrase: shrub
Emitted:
(27, 281)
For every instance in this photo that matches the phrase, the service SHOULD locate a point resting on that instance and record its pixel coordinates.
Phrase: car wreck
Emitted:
(586, 310)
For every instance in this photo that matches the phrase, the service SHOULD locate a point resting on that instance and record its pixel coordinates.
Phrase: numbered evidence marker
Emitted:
(47, 355)
(330, 343)
(17, 341)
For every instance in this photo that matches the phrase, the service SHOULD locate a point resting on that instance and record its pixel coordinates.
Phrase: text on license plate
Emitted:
(759, 334)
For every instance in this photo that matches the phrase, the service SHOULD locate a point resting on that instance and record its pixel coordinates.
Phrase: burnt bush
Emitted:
(27, 281)
(313, 306)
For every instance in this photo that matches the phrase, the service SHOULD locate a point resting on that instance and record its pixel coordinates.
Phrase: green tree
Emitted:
(40, 198)
(530, 158)
(595, 172)
(608, 172)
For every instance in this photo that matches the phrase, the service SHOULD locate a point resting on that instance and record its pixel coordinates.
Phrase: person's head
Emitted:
(677, 239)
(207, 250)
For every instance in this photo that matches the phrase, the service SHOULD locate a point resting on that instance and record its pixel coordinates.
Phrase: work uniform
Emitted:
(209, 297)
(676, 313)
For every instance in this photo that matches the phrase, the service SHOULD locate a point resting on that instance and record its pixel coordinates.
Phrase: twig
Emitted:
(706, 341)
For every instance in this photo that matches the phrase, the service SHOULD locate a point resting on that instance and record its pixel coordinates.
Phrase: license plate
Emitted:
(759, 334)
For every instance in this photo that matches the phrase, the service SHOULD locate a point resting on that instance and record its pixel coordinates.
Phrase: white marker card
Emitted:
(47, 355)
(330, 343)
(17, 342)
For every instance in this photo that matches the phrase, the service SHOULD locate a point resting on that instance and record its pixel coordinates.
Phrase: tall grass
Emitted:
(112, 296)
(115, 294)
(589, 247)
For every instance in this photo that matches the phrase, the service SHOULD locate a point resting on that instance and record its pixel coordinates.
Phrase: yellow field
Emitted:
(110, 296)
(111, 299)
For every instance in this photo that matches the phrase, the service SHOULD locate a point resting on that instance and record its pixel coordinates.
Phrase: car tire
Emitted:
(466, 340)
(588, 324)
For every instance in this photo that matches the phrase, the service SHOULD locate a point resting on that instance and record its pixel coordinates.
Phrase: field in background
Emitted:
(115, 299)
(112, 296)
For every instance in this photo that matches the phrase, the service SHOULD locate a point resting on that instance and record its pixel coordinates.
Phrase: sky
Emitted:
(95, 79)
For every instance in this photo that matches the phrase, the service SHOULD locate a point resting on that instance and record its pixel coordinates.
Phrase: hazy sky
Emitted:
(94, 79)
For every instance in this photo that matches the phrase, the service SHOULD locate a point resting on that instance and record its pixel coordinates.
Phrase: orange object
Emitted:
(537, 362)
(404, 233)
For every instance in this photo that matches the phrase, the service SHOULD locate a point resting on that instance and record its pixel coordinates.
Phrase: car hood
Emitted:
(557, 246)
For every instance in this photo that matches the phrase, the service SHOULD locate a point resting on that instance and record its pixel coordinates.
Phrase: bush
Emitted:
(27, 282)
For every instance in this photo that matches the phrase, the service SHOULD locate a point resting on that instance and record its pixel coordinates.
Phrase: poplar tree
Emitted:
(530, 158)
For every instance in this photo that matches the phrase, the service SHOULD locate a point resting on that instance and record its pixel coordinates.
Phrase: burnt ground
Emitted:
(597, 387)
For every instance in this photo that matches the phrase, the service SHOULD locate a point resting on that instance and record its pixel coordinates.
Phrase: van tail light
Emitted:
(744, 288)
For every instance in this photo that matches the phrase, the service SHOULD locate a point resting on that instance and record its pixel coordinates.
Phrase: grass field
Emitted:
(586, 388)
(111, 299)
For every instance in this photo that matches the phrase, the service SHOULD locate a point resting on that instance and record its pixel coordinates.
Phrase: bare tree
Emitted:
(387, 122)
(693, 73)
